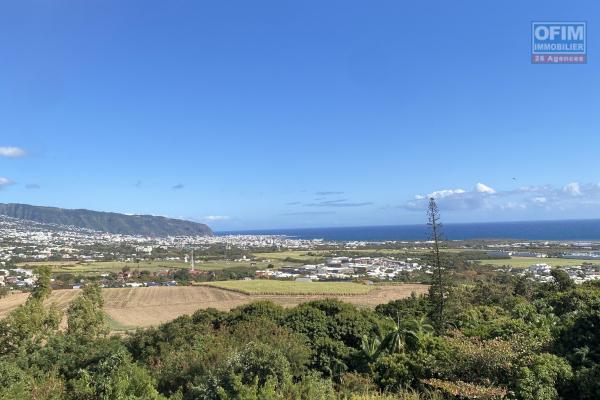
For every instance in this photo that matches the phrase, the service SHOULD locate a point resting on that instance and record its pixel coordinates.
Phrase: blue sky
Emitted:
(270, 114)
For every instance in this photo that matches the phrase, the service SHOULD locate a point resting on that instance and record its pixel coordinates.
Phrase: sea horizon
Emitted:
(552, 230)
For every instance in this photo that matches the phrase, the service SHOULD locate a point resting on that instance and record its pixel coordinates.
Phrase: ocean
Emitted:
(571, 230)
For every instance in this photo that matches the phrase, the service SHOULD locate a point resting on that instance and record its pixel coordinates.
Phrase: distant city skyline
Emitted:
(292, 115)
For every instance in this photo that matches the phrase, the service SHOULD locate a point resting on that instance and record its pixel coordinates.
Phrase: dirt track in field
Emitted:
(142, 307)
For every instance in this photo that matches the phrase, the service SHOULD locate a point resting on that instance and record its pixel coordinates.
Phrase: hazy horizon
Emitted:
(424, 222)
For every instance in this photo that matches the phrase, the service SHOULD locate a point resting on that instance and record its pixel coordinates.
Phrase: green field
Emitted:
(273, 287)
(317, 256)
(220, 264)
(297, 255)
(117, 327)
(524, 262)
(117, 266)
(105, 266)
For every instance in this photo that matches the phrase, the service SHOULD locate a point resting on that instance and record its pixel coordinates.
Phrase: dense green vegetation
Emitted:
(503, 338)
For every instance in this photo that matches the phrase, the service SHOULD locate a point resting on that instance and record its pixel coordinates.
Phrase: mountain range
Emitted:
(146, 225)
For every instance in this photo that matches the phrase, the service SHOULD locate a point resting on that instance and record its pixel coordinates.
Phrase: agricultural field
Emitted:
(317, 256)
(274, 287)
(53, 264)
(104, 266)
(406, 251)
(296, 255)
(128, 308)
(117, 266)
(524, 262)
(216, 265)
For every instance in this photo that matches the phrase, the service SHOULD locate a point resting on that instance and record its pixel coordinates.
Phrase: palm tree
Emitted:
(408, 333)
(420, 326)
(370, 347)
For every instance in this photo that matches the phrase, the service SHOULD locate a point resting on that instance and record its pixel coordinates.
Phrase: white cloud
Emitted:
(440, 194)
(338, 203)
(573, 189)
(511, 205)
(482, 188)
(213, 218)
(5, 181)
(572, 196)
(455, 199)
(13, 152)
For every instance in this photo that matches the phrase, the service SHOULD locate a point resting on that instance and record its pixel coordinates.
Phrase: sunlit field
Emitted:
(524, 262)
(117, 266)
(263, 286)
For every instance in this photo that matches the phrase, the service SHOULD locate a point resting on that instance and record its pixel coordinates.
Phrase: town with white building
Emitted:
(347, 268)
(24, 244)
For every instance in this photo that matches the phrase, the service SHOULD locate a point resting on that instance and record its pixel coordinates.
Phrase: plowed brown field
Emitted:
(140, 307)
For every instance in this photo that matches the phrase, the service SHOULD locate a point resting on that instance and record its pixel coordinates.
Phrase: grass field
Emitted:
(104, 266)
(116, 326)
(300, 255)
(128, 308)
(116, 266)
(405, 251)
(524, 262)
(316, 256)
(273, 287)
(54, 264)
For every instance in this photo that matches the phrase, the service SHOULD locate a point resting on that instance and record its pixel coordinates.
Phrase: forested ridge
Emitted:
(149, 225)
